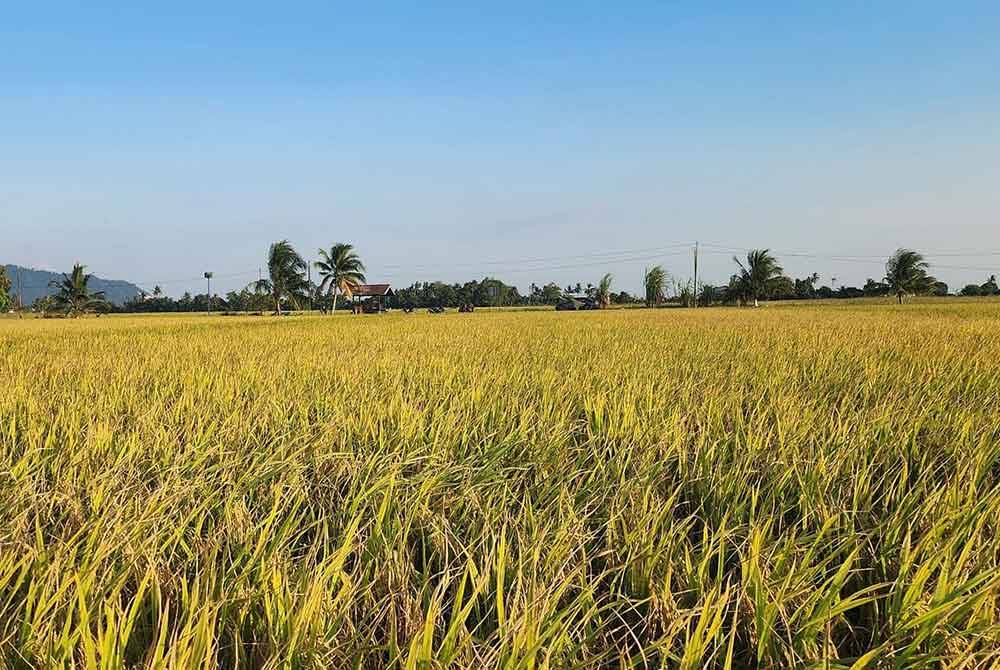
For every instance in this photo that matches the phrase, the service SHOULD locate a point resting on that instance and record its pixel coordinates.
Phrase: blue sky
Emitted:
(451, 141)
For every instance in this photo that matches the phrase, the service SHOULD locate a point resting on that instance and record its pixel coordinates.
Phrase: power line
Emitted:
(646, 258)
(231, 275)
(521, 261)
(569, 262)
(939, 254)
(604, 256)
(870, 260)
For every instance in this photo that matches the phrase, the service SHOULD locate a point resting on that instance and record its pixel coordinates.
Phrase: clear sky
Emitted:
(448, 141)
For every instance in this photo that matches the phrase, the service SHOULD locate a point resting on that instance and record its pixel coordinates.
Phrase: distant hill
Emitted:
(35, 284)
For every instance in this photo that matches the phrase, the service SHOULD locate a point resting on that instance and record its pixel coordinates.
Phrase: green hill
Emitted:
(35, 284)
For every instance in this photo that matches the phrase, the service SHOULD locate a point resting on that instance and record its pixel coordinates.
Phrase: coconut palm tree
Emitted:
(341, 270)
(285, 280)
(906, 272)
(758, 275)
(604, 291)
(654, 281)
(73, 294)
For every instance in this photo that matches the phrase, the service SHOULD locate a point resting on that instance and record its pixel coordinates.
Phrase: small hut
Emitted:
(370, 298)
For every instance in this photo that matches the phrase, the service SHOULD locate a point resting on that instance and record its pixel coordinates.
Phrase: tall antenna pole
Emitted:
(696, 274)
(208, 278)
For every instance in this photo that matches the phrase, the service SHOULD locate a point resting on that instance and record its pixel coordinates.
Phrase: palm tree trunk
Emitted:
(333, 309)
(899, 297)
(277, 303)
(755, 303)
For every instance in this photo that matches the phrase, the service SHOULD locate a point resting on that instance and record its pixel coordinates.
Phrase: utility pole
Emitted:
(696, 274)
(309, 280)
(208, 278)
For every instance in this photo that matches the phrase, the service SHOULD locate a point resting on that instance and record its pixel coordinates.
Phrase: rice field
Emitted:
(788, 487)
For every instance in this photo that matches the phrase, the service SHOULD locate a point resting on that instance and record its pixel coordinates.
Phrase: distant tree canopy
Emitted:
(244, 300)
(759, 277)
(654, 281)
(285, 282)
(785, 288)
(603, 291)
(491, 291)
(341, 270)
(989, 287)
(805, 289)
(418, 295)
(906, 273)
(484, 293)
(874, 288)
(73, 295)
(6, 300)
(549, 294)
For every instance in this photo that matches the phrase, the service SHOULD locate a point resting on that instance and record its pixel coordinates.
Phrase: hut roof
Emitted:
(367, 290)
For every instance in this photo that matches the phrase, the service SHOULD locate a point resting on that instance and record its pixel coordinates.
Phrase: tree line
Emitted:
(486, 292)
(760, 277)
(491, 291)
(287, 286)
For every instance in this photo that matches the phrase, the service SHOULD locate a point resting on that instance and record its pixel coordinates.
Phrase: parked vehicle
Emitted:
(575, 304)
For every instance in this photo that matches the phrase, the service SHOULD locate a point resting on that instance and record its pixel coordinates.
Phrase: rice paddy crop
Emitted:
(720, 488)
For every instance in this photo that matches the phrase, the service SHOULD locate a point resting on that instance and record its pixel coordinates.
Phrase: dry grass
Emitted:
(786, 487)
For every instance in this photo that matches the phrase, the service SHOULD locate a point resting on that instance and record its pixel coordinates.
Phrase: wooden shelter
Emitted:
(370, 298)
